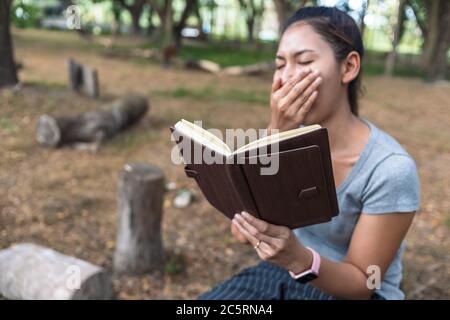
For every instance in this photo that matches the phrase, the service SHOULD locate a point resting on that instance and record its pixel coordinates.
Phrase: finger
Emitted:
(298, 89)
(263, 247)
(276, 84)
(287, 87)
(264, 227)
(255, 232)
(307, 105)
(237, 235)
(298, 103)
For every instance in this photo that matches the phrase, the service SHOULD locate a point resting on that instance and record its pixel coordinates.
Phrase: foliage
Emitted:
(25, 14)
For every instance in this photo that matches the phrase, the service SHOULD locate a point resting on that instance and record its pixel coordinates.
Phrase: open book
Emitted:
(284, 178)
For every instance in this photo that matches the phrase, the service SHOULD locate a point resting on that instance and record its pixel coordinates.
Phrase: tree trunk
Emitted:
(250, 29)
(362, 25)
(190, 5)
(167, 36)
(94, 126)
(438, 41)
(116, 23)
(135, 10)
(199, 21)
(135, 13)
(283, 9)
(140, 196)
(431, 22)
(151, 26)
(32, 272)
(8, 72)
(392, 56)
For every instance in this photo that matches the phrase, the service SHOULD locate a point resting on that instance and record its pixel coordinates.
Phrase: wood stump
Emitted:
(30, 272)
(92, 126)
(83, 79)
(139, 247)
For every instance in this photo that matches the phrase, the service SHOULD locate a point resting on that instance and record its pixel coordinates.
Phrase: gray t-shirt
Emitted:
(383, 180)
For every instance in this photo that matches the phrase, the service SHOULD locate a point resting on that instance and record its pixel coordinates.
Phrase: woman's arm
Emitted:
(375, 241)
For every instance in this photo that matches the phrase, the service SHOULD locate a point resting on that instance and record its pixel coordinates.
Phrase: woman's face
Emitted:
(301, 47)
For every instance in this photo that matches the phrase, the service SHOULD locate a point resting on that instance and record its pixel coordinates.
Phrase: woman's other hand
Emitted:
(275, 244)
(291, 101)
(237, 234)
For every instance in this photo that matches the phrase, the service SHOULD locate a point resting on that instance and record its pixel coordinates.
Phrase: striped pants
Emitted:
(265, 281)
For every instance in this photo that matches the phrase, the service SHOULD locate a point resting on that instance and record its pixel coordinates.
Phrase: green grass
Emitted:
(51, 85)
(223, 54)
(131, 139)
(227, 56)
(447, 223)
(8, 126)
(374, 69)
(212, 93)
(175, 263)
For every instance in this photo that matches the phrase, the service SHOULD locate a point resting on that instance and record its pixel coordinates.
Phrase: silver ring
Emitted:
(257, 245)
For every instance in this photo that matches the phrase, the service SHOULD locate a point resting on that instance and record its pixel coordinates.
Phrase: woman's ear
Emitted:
(350, 67)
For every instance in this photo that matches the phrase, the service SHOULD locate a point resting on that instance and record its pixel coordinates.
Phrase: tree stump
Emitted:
(83, 78)
(140, 195)
(93, 126)
(30, 272)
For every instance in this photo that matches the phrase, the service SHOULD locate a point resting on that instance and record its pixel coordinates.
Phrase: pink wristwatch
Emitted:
(310, 274)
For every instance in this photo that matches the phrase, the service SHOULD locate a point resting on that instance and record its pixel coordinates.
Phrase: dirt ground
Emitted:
(66, 198)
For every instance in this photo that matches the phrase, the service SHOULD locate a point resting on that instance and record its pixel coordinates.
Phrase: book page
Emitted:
(202, 136)
(209, 140)
(278, 137)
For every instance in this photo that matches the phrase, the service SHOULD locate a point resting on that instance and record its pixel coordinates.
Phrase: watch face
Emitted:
(307, 277)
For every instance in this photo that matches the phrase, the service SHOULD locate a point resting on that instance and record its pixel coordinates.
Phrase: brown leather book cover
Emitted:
(301, 192)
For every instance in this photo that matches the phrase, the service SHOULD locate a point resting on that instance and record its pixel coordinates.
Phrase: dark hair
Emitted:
(341, 32)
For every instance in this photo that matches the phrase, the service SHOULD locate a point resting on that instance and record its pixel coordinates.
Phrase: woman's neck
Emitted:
(345, 129)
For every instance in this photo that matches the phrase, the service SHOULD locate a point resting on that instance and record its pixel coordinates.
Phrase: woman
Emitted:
(357, 255)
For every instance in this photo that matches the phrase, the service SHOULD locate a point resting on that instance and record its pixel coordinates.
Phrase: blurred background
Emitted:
(68, 126)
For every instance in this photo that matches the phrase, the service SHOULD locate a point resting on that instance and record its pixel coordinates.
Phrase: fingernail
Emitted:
(319, 80)
(246, 214)
(316, 72)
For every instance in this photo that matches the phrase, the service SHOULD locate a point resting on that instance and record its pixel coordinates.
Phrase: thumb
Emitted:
(237, 234)
(276, 84)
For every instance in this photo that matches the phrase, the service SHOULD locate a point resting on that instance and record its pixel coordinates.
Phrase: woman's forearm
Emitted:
(342, 279)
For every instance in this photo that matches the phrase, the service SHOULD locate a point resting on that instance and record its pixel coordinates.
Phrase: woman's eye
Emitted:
(280, 67)
(304, 62)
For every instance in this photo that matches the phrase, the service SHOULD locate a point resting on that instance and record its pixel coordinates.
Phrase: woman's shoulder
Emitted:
(384, 144)
(392, 180)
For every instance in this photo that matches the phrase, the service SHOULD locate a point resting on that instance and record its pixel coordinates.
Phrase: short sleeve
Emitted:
(393, 186)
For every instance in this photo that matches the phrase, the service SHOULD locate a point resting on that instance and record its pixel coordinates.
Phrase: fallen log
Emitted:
(93, 126)
(253, 69)
(33, 272)
(203, 65)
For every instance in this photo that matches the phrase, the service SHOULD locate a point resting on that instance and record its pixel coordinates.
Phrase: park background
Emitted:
(210, 61)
